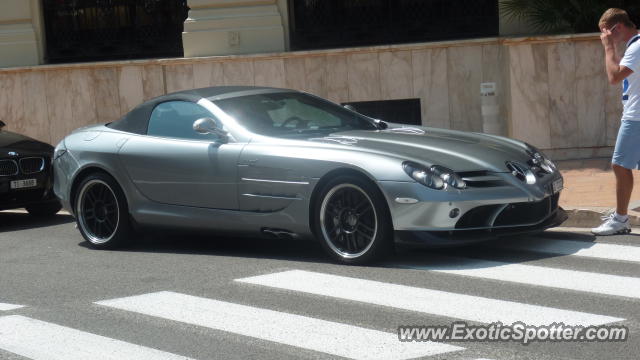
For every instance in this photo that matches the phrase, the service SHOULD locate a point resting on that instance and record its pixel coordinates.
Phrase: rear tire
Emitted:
(101, 212)
(44, 210)
(352, 221)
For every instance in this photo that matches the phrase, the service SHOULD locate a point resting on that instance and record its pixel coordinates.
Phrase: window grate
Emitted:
(317, 24)
(8, 167)
(95, 30)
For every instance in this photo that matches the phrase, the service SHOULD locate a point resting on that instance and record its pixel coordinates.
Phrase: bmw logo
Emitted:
(13, 153)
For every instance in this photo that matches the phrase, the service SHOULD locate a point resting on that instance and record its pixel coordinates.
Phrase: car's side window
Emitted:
(175, 119)
(295, 114)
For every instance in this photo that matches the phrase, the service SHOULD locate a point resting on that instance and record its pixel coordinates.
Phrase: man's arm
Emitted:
(615, 72)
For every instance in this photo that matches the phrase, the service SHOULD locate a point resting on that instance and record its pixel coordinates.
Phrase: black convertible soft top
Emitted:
(137, 120)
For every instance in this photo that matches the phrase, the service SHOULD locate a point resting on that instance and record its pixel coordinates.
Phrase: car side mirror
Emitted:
(209, 126)
(2, 124)
(381, 124)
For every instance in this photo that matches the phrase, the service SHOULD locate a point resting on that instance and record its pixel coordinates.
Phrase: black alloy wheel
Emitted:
(353, 221)
(101, 211)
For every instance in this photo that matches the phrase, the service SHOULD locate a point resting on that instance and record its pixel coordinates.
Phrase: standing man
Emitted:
(617, 28)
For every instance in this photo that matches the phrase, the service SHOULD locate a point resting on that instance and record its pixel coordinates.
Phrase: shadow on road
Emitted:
(516, 249)
(508, 250)
(277, 249)
(494, 250)
(560, 235)
(309, 251)
(14, 221)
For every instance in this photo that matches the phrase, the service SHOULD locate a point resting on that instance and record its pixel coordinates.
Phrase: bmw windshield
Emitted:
(291, 114)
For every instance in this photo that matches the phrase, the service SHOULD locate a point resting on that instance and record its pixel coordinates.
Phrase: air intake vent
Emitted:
(521, 172)
(31, 165)
(8, 168)
(517, 171)
(481, 179)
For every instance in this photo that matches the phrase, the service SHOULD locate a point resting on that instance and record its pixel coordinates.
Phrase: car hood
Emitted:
(460, 151)
(10, 141)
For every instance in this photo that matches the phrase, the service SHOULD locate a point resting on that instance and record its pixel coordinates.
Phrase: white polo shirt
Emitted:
(631, 85)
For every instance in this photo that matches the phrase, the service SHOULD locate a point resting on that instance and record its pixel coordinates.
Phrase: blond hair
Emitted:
(615, 16)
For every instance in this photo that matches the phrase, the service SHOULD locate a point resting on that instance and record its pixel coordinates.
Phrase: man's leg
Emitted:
(624, 187)
(626, 156)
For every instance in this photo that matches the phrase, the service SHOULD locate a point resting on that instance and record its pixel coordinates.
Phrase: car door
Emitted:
(174, 164)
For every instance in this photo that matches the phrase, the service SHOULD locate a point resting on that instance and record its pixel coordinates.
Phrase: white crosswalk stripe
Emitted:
(39, 340)
(8, 307)
(537, 275)
(290, 329)
(575, 248)
(454, 305)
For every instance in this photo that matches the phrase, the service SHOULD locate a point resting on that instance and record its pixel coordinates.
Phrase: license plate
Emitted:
(21, 184)
(557, 185)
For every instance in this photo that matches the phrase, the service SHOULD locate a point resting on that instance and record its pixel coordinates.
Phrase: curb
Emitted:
(592, 217)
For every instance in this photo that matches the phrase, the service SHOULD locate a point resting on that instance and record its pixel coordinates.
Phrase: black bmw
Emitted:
(26, 174)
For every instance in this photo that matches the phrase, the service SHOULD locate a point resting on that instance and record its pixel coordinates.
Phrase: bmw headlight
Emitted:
(436, 177)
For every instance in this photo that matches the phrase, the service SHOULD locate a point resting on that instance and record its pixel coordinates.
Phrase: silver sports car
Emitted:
(257, 161)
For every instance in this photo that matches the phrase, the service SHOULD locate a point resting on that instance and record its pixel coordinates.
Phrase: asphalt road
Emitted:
(167, 295)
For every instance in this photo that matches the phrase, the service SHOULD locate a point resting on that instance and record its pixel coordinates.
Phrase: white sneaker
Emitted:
(612, 226)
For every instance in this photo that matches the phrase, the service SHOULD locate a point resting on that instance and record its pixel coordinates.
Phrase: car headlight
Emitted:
(544, 163)
(436, 177)
(541, 160)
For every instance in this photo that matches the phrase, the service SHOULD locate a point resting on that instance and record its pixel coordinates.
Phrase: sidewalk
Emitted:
(589, 192)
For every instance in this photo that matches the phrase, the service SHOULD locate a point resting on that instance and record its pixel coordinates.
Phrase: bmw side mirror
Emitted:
(2, 124)
(209, 126)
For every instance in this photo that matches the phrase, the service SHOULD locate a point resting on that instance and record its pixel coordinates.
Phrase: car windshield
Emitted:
(292, 114)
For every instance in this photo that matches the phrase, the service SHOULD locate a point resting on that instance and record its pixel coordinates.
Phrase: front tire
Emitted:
(352, 221)
(101, 212)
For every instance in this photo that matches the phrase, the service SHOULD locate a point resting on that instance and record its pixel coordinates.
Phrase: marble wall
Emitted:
(560, 98)
(552, 93)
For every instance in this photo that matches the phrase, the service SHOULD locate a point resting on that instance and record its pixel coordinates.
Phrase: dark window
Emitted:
(406, 111)
(94, 30)
(175, 119)
(317, 24)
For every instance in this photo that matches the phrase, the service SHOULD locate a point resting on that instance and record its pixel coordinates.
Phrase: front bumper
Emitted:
(474, 208)
(463, 237)
(40, 194)
(482, 212)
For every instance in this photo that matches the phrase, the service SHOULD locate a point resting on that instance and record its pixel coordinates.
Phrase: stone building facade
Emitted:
(550, 91)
